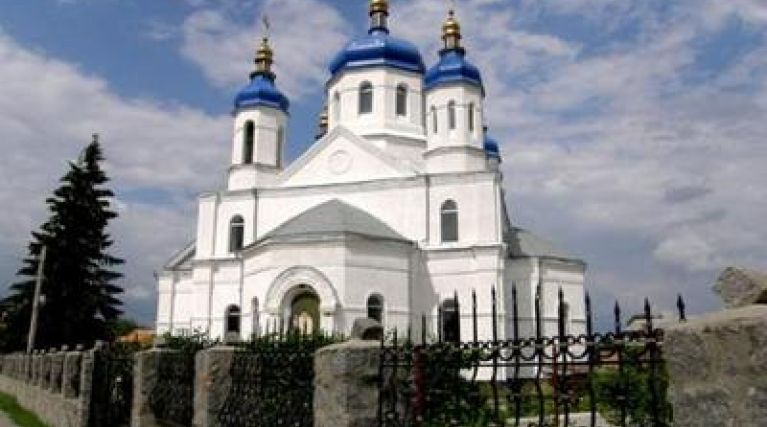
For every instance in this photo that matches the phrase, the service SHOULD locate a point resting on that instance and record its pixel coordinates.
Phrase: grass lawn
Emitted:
(19, 415)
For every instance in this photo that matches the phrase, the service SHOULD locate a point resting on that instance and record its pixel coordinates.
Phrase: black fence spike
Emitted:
(474, 315)
(681, 307)
(648, 316)
(495, 315)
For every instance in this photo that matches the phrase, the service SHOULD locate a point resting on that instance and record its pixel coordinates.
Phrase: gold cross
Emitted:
(267, 25)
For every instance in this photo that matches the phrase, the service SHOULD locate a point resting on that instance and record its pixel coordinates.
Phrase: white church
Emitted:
(396, 208)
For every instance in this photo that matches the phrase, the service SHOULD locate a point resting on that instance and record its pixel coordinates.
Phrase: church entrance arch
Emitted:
(302, 297)
(305, 312)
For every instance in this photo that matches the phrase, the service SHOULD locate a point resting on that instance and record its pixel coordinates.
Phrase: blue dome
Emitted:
(261, 91)
(491, 147)
(453, 67)
(378, 48)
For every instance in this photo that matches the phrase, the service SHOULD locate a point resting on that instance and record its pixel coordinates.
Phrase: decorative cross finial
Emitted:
(267, 25)
(451, 6)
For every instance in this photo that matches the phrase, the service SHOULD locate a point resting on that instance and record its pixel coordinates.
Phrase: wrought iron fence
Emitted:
(172, 398)
(112, 396)
(273, 381)
(617, 377)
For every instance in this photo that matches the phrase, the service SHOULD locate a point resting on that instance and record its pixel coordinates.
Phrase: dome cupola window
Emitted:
(248, 142)
(451, 115)
(401, 101)
(366, 98)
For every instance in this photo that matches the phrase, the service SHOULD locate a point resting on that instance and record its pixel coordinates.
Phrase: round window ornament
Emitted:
(340, 162)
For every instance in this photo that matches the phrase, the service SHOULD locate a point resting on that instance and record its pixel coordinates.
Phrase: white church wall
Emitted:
(383, 268)
(464, 96)
(230, 205)
(276, 206)
(478, 213)
(341, 161)
(451, 159)
(405, 148)
(523, 273)
(461, 271)
(165, 284)
(266, 122)
(206, 225)
(383, 116)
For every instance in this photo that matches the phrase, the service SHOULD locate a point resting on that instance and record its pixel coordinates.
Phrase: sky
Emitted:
(633, 132)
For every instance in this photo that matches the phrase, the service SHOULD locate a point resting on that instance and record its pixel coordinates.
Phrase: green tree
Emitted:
(78, 294)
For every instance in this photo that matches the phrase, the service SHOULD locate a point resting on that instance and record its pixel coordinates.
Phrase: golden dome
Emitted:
(451, 27)
(264, 57)
(451, 31)
(264, 51)
(379, 6)
(324, 117)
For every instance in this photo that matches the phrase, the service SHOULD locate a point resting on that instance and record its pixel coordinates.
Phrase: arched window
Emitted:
(366, 98)
(248, 140)
(232, 322)
(449, 221)
(280, 145)
(401, 106)
(375, 307)
(254, 317)
(336, 107)
(471, 117)
(433, 119)
(236, 233)
(451, 115)
(450, 321)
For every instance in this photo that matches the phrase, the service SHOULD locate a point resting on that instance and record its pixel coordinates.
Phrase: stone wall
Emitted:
(55, 384)
(717, 362)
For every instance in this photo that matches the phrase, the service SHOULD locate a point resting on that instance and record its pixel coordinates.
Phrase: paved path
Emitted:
(5, 421)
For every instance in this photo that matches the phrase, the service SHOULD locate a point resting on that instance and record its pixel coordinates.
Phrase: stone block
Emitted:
(739, 287)
(366, 329)
(346, 384)
(716, 365)
(145, 378)
(212, 383)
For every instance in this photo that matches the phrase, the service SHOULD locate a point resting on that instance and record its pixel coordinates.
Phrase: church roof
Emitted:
(261, 91)
(333, 217)
(491, 147)
(376, 49)
(524, 244)
(453, 68)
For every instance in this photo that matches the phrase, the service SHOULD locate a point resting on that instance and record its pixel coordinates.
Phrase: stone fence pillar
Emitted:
(70, 378)
(346, 379)
(717, 363)
(346, 384)
(57, 370)
(87, 366)
(212, 383)
(145, 378)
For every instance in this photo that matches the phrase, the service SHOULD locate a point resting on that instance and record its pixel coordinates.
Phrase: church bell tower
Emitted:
(260, 116)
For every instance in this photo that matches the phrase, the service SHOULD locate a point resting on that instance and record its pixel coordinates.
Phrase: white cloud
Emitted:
(617, 149)
(304, 36)
(48, 109)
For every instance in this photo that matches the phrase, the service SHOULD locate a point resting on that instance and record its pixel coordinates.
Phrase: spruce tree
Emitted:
(79, 294)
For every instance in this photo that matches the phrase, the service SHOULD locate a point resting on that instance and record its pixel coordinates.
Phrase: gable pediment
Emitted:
(343, 157)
